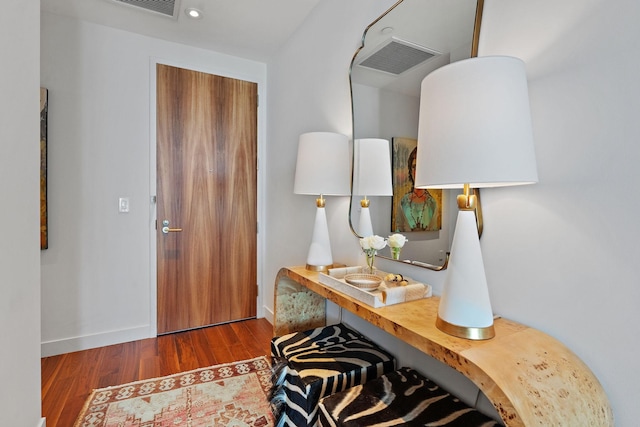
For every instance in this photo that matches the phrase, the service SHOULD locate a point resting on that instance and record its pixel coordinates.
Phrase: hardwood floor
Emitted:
(68, 379)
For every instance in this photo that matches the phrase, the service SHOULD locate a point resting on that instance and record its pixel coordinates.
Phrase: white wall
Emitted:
(560, 255)
(19, 215)
(98, 275)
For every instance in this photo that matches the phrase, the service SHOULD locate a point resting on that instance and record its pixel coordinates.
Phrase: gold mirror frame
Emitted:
(474, 53)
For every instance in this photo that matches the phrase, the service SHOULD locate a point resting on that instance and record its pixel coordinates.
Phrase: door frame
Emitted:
(258, 77)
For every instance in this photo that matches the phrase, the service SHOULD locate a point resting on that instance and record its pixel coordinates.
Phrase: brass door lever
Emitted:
(167, 230)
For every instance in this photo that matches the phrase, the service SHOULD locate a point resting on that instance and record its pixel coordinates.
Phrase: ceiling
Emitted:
(252, 29)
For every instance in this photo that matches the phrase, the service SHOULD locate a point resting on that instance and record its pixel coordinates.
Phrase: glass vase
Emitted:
(395, 253)
(371, 257)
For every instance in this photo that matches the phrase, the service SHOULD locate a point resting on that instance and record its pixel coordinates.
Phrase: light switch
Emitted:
(123, 204)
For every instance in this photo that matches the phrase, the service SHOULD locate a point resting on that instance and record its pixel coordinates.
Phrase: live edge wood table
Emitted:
(531, 378)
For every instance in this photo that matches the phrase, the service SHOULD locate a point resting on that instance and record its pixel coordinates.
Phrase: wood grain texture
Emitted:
(297, 308)
(68, 379)
(531, 378)
(207, 186)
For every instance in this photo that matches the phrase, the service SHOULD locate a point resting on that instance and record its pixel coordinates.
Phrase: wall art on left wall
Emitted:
(44, 231)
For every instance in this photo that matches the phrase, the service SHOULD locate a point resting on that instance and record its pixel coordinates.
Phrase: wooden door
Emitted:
(206, 185)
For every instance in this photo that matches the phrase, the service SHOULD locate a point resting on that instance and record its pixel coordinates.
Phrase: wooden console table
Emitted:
(531, 378)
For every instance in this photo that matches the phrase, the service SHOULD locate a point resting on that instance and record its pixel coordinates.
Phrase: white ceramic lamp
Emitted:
(322, 168)
(371, 176)
(474, 131)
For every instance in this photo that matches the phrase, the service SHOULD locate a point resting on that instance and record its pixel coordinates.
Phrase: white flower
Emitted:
(396, 240)
(372, 243)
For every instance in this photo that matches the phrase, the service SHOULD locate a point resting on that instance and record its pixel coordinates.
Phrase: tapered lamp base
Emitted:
(465, 308)
(364, 226)
(320, 257)
(468, 332)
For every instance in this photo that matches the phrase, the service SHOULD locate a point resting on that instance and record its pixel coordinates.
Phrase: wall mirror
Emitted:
(399, 49)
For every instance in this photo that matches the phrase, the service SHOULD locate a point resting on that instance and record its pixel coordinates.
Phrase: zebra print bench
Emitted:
(316, 363)
(403, 397)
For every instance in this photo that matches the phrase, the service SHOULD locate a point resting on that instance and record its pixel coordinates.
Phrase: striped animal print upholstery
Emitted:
(316, 363)
(403, 397)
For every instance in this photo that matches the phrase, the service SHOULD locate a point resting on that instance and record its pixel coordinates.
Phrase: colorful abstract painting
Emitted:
(413, 209)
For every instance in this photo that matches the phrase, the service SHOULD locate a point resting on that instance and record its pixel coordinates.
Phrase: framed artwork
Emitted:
(44, 231)
(413, 209)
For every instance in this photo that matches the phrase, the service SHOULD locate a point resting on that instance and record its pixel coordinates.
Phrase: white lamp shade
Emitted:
(323, 164)
(475, 125)
(372, 167)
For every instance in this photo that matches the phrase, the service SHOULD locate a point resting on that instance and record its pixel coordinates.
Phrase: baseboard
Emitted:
(68, 345)
(268, 314)
(43, 422)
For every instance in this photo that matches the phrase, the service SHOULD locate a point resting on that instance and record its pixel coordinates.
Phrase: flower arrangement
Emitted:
(396, 242)
(370, 246)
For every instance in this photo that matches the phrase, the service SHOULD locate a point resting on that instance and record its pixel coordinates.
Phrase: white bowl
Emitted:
(364, 281)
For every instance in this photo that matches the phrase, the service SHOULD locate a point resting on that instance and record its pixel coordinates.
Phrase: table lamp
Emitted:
(474, 131)
(371, 176)
(322, 169)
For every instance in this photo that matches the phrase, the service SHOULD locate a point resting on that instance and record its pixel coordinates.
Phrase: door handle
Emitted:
(167, 230)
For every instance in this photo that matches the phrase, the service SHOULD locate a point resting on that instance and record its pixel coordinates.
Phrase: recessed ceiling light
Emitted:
(193, 13)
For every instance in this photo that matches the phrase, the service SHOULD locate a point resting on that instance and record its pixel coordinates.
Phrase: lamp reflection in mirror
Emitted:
(322, 169)
(474, 131)
(371, 176)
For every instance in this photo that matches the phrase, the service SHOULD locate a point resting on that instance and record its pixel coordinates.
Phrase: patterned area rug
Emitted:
(233, 395)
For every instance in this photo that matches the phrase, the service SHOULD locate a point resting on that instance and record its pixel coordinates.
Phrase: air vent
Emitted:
(397, 56)
(167, 8)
